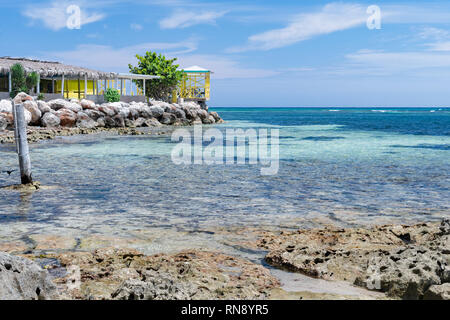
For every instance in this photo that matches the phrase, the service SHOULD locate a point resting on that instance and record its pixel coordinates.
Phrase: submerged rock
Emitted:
(22, 279)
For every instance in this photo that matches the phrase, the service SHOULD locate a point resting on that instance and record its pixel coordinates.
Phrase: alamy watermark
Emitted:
(74, 19)
(236, 146)
(374, 20)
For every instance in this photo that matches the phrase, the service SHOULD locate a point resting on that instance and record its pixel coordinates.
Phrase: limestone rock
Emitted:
(168, 118)
(209, 120)
(93, 114)
(88, 104)
(36, 114)
(67, 117)
(43, 107)
(22, 279)
(157, 286)
(3, 123)
(156, 111)
(50, 120)
(402, 261)
(21, 97)
(84, 121)
(216, 116)
(107, 110)
(438, 292)
(5, 106)
(152, 123)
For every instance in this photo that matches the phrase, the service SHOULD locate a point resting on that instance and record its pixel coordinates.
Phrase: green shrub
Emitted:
(112, 95)
(41, 96)
(157, 65)
(21, 82)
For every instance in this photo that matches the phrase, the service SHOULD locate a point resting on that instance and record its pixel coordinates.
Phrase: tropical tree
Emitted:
(21, 82)
(157, 64)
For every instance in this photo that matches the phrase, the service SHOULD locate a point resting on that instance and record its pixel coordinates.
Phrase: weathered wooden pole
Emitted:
(20, 133)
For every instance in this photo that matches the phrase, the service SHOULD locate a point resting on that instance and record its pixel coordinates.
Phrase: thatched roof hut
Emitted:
(48, 69)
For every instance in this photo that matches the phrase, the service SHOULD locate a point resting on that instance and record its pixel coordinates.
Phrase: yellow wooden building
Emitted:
(195, 85)
(58, 80)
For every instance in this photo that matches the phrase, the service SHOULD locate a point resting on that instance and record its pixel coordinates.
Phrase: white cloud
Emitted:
(225, 67)
(440, 46)
(107, 58)
(184, 19)
(396, 62)
(333, 17)
(54, 15)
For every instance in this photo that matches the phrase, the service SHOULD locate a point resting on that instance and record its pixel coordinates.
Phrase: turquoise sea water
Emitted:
(342, 166)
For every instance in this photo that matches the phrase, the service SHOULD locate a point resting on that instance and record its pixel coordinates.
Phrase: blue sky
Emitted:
(263, 53)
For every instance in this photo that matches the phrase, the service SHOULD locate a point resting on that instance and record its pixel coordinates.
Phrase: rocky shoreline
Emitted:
(397, 262)
(60, 117)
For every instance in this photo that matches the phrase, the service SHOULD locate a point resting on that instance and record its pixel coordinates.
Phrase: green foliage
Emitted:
(21, 82)
(41, 96)
(112, 95)
(32, 80)
(157, 64)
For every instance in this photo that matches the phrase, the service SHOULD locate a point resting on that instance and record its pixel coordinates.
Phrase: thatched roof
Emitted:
(53, 69)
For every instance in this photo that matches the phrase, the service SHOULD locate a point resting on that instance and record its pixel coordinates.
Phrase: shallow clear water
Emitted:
(347, 167)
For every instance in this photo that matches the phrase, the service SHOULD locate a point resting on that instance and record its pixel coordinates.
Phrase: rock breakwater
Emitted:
(85, 115)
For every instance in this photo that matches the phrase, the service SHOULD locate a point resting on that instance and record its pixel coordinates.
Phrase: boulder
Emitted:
(22, 279)
(94, 114)
(119, 121)
(3, 123)
(86, 123)
(438, 292)
(216, 116)
(109, 122)
(50, 120)
(152, 123)
(129, 123)
(21, 97)
(203, 114)
(5, 106)
(101, 122)
(88, 104)
(107, 110)
(146, 112)
(209, 120)
(167, 118)
(28, 116)
(36, 114)
(139, 122)
(156, 111)
(61, 103)
(124, 112)
(134, 112)
(8, 118)
(43, 106)
(180, 114)
(67, 117)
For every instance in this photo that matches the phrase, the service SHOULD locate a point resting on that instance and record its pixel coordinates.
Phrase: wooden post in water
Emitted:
(20, 134)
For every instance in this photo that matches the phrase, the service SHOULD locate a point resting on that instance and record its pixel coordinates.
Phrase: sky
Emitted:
(305, 53)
